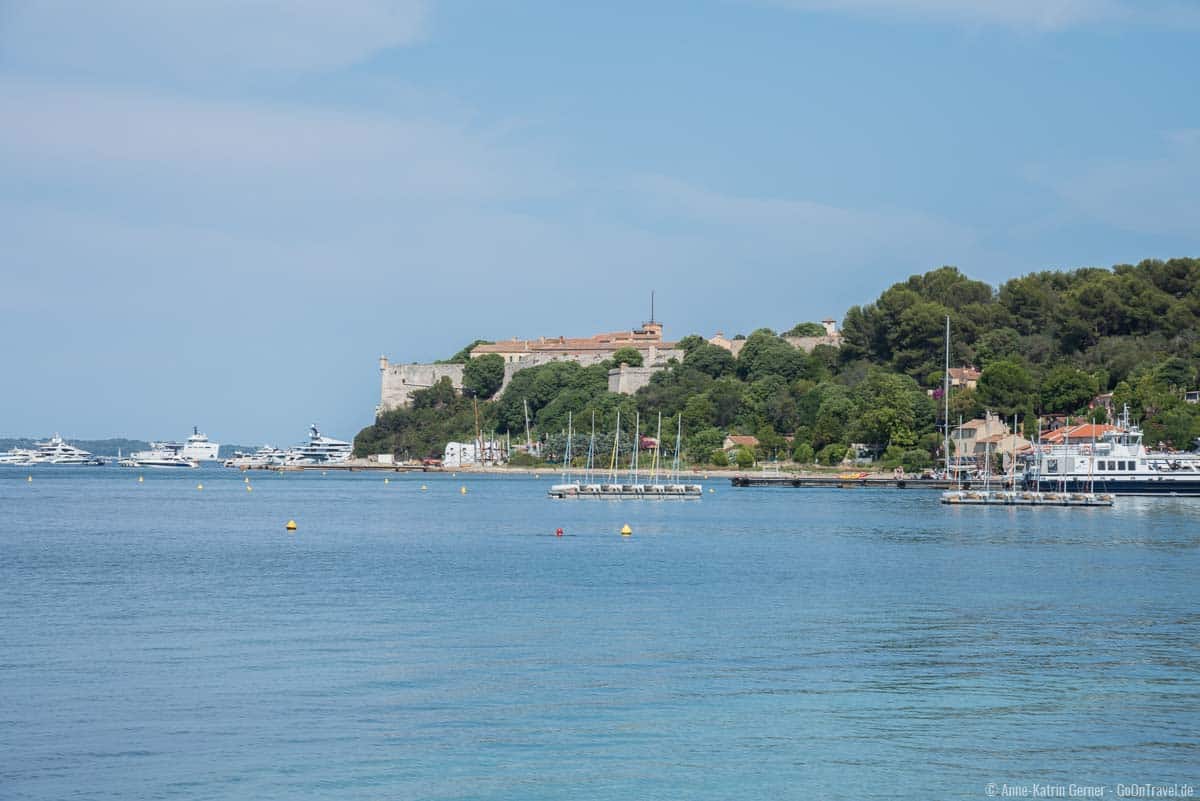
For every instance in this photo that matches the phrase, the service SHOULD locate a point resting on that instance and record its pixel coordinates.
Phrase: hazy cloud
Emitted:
(802, 228)
(1041, 15)
(1148, 196)
(131, 138)
(201, 38)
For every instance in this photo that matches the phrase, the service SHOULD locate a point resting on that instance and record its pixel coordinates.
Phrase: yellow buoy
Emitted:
(463, 490)
(710, 489)
(141, 479)
(249, 488)
(247, 479)
(423, 488)
(387, 481)
(29, 478)
(626, 531)
(199, 486)
(291, 525)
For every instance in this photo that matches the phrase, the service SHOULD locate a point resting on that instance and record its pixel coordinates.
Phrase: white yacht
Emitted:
(18, 456)
(56, 451)
(198, 448)
(266, 456)
(320, 449)
(161, 454)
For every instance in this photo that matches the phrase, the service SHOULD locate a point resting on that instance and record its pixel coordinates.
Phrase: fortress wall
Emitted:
(401, 380)
(626, 380)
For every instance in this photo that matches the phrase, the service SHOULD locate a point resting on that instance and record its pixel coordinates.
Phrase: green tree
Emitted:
(464, 355)
(806, 330)
(710, 360)
(1005, 387)
(726, 395)
(744, 457)
(699, 413)
(1176, 373)
(719, 458)
(765, 354)
(627, 355)
(1181, 427)
(802, 453)
(483, 376)
(832, 454)
(701, 444)
(1066, 390)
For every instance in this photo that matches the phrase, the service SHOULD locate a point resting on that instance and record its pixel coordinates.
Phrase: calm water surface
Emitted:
(160, 641)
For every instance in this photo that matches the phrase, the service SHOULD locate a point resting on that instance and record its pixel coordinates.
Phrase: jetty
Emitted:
(843, 482)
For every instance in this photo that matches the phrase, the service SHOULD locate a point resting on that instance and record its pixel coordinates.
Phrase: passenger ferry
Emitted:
(1115, 463)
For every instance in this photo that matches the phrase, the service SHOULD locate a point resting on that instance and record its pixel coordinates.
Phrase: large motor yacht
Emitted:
(198, 448)
(266, 456)
(18, 456)
(320, 449)
(57, 451)
(161, 454)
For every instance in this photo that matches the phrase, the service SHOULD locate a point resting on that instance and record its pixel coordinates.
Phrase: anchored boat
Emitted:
(1008, 497)
(633, 488)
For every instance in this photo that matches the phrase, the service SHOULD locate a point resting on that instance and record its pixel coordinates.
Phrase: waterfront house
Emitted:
(735, 441)
(973, 433)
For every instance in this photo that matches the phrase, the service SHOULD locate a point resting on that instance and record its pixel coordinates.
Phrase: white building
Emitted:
(467, 454)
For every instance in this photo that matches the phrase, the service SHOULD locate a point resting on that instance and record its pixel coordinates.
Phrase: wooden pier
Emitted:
(845, 482)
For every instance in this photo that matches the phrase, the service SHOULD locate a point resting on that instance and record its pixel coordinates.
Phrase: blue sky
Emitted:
(221, 213)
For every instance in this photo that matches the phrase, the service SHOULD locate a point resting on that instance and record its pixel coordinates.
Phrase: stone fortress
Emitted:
(399, 381)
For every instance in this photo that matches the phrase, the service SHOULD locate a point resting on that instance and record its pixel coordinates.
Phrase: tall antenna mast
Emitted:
(651, 305)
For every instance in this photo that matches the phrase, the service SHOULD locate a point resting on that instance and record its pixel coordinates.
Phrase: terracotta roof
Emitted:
(749, 442)
(1086, 431)
(640, 340)
(964, 374)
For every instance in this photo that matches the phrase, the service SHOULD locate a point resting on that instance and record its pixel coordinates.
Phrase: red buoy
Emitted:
(558, 532)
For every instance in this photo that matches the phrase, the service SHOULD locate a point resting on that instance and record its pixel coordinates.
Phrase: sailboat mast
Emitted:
(528, 441)
(567, 449)
(678, 436)
(612, 466)
(946, 399)
(657, 449)
(591, 460)
(478, 434)
(637, 447)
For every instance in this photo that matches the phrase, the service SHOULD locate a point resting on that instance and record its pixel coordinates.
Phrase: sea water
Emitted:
(158, 640)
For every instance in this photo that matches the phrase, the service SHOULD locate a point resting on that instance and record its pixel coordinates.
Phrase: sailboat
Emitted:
(615, 489)
(1010, 496)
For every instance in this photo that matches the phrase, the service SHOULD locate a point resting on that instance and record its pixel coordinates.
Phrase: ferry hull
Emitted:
(1149, 486)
